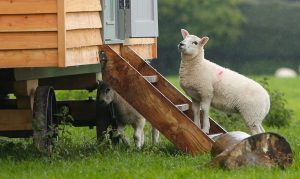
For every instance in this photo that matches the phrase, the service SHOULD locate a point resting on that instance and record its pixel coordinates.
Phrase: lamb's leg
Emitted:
(143, 138)
(205, 105)
(196, 111)
(139, 133)
(155, 135)
(120, 130)
(253, 121)
(138, 137)
(262, 130)
(256, 128)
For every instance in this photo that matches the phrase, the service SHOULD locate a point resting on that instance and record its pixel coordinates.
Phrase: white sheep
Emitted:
(285, 73)
(210, 84)
(125, 114)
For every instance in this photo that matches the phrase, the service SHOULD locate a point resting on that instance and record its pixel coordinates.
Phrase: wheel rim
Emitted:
(51, 123)
(44, 123)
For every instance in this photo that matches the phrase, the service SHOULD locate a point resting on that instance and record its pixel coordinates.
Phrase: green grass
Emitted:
(291, 88)
(81, 157)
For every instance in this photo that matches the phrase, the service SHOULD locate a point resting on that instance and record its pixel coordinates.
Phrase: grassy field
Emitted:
(79, 156)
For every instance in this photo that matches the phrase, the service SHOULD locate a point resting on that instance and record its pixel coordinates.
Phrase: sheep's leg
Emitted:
(138, 137)
(256, 128)
(143, 138)
(139, 134)
(253, 121)
(155, 135)
(262, 130)
(196, 111)
(205, 105)
(120, 130)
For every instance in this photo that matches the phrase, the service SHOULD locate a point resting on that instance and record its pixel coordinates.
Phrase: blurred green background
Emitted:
(248, 36)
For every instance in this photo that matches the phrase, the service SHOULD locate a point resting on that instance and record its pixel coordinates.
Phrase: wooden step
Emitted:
(213, 136)
(164, 86)
(151, 79)
(183, 107)
(153, 105)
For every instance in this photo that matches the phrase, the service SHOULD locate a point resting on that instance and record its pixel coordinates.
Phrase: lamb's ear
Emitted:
(184, 33)
(203, 41)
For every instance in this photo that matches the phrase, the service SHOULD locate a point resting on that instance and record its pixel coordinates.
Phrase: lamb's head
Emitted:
(105, 94)
(191, 44)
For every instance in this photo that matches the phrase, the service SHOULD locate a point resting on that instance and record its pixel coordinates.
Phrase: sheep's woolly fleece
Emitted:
(210, 84)
(125, 114)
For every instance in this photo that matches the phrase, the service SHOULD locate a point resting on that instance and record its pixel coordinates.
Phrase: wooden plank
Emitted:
(170, 91)
(164, 86)
(72, 82)
(27, 7)
(116, 48)
(154, 50)
(82, 56)
(24, 91)
(83, 5)
(147, 51)
(28, 58)
(83, 20)
(48, 72)
(83, 37)
(29, 22)
(25, 102)
(153, 105)
(12, 119)
(61, 17)
(151, 79)
(182, 107)
(28, 40)
(139, 41)
(25, 88)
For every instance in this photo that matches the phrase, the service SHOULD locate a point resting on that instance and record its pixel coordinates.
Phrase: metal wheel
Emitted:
(45, 127)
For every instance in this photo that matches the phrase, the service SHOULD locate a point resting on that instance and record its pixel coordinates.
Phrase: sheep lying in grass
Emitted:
(285, 73)
(210, 84)
(125, 114)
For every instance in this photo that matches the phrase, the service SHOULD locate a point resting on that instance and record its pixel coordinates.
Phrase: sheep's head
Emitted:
(105, 94)
(191, 44)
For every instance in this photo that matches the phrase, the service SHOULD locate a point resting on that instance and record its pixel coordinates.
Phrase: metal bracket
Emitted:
(124, 4)
(127, 4)
(121, 4)
(103, 60)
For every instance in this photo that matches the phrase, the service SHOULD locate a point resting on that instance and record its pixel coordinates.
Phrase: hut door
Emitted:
(141, 18)
(113, 17)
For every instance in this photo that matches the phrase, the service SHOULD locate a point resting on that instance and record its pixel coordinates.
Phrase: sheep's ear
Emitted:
(184, 33)
(203, 41)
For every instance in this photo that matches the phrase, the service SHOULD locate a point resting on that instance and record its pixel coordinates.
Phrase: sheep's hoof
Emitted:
(138, 147)
(116, 137)
(125, 140)
(206, 131)
(155, 141)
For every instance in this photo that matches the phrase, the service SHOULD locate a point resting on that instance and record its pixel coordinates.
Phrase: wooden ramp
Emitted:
(156, 99)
